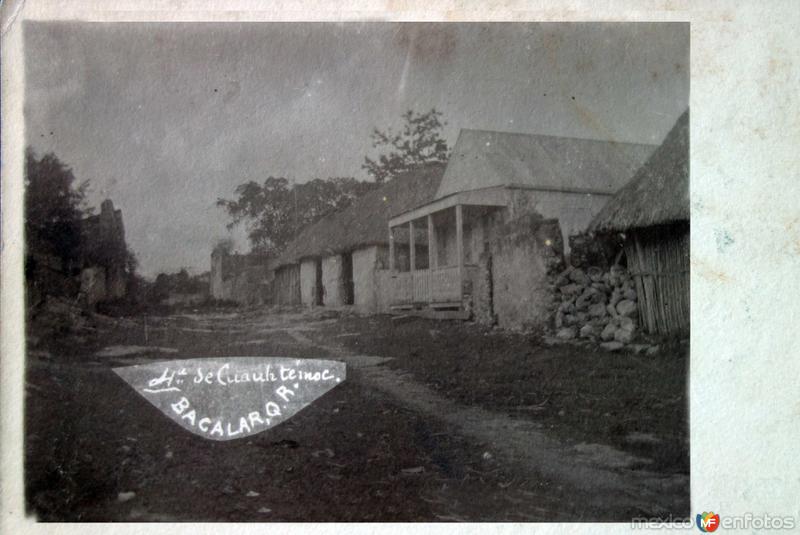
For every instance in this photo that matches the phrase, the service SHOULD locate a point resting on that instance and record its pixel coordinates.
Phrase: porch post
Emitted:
(391, 250)
(460, 249)
(412, 250)
(432, 252)
(432, 257)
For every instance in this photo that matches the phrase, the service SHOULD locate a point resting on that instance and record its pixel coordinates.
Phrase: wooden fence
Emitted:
(659, 263)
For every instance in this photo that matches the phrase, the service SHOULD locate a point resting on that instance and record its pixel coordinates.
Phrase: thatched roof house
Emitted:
(365, 222)
(653, 212)
(658, 194)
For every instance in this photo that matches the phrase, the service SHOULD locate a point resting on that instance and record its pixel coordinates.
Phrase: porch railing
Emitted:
(442, 285)
(445, 285)
(401, 288)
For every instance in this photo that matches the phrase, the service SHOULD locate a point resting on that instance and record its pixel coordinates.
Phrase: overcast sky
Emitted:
(165, 118)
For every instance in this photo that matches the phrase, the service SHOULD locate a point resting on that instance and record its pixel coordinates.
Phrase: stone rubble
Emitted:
(596, 306)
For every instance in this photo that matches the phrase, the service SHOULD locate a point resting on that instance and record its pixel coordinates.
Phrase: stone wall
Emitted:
(102, 284)
(93, 284)
(523, 252)
(104, 255)
(482, 291)
(116, 282)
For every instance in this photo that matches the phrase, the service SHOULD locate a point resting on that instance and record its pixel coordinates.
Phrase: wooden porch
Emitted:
(440, 288)
(425, 277)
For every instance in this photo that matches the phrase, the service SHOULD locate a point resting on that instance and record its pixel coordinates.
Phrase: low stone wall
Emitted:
(523, 252)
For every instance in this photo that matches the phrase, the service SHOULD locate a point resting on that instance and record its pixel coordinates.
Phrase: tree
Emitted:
(276, 211)
(54, 207)
(418, 143)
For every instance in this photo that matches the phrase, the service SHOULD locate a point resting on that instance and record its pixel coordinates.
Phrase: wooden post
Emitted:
(391, 251)
(460, 249)
(412, 250)
(433, 256)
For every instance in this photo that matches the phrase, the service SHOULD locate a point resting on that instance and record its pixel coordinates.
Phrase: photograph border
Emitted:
(744, 134)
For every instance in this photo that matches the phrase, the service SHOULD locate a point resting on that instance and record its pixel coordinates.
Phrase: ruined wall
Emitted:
(523, 250)
(332, 281)
(482, 291)
(93, 284)
(116, 282)
(308, 282)
(104, 254)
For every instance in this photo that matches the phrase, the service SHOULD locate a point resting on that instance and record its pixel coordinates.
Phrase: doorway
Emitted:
(347, 278)
(319, 290)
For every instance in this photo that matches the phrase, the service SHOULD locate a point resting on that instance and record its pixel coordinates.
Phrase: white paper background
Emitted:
(745, 145)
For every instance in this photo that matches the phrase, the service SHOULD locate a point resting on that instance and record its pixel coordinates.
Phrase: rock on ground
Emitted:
(612, 346)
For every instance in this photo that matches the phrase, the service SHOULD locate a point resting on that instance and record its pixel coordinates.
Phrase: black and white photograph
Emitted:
(358, 271)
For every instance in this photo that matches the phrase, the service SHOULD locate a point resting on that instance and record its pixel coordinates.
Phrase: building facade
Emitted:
(499, 218)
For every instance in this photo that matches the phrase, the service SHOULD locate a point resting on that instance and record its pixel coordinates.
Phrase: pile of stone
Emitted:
(595, 305)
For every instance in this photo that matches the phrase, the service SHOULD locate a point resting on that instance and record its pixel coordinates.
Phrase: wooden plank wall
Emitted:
(659, 263)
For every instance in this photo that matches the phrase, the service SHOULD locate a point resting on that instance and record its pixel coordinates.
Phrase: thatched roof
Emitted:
(366, 221)
(483, 159)
(659, 192)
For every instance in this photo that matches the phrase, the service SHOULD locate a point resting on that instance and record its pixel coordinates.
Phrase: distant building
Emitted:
(242, 278)
(343, 259)
(104, 255)
(473, 239)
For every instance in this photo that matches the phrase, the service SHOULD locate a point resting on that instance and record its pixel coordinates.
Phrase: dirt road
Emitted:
(380, 447)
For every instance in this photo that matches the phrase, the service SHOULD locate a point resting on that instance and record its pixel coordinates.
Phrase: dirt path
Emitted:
(603, 472)
(97, 451)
